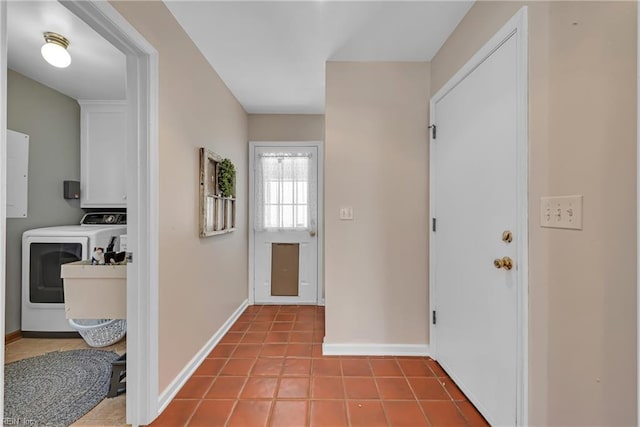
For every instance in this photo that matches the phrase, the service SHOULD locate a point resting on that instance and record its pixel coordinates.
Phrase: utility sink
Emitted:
(94, 291)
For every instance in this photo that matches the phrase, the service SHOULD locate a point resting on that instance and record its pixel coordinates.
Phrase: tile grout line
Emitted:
(193, 413)
(344, 390)
(424, 413)
(463, 414)
(384, 408)
(455, 403)
(233, 407)
(310, 387)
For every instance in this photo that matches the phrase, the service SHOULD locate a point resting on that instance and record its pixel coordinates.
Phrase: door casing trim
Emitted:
(142, 203)
(3, 183)
(142, 186)
(638, 213)
(516, 27)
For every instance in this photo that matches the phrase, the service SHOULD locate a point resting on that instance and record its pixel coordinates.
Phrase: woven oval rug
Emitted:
(57, 388)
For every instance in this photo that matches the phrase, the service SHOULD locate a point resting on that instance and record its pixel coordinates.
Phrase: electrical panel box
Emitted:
(17, 174)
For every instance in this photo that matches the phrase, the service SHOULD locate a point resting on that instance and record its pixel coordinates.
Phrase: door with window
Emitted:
(285, 200)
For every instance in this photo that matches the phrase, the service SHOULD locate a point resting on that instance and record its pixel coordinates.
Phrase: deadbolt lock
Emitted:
(507, 236)
(505, 262)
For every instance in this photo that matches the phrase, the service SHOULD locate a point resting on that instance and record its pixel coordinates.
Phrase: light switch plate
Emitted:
(561, 212)
(346, 213)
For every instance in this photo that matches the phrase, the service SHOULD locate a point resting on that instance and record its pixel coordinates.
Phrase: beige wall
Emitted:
(582, 141)
(202, 280)
(52, 121)
(286, 127)
(376, 157)
(582, 86)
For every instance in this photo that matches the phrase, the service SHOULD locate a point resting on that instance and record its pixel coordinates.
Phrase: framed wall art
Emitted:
(217, 194)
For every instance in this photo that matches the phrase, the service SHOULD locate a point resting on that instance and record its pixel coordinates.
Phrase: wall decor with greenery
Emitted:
(217, 194)
(227, 178)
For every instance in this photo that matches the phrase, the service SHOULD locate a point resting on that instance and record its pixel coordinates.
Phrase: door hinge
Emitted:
(129, 256)
(433, 317)
(433, 131)
(433, 224)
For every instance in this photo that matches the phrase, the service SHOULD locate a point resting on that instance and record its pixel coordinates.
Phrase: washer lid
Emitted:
(74, 230)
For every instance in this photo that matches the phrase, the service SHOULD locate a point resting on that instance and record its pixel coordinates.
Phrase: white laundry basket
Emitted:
(100, 332)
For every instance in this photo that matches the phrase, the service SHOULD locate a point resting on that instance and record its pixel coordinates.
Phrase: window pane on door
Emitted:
(285, 190)
(301, 215)
(271, 216)
(287, 217)
(302, 192)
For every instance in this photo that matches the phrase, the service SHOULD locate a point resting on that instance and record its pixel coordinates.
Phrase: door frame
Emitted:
(516, 27)
(142, 201)
(638, 211)
(3, 185)
(320, 232)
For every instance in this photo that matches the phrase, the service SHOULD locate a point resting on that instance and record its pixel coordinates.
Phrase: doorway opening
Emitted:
(140, 180)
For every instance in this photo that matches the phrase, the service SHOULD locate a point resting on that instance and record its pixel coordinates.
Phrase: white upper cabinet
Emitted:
(103, 128)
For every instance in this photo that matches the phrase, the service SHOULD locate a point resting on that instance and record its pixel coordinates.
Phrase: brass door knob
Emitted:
(505, 262)
(312, 233)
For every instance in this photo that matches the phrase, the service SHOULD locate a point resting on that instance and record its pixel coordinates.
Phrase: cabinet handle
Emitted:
(124, 197)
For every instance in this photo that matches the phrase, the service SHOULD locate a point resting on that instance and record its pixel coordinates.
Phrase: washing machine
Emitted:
(44, 250)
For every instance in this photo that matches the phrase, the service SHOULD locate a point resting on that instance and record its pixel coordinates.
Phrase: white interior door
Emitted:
(285, 200)
(476, 191)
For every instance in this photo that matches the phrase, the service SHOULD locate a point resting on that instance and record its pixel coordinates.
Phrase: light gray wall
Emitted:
(52, 121)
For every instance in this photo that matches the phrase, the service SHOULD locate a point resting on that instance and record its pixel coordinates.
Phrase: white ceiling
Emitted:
(97, 69)
(272, 54)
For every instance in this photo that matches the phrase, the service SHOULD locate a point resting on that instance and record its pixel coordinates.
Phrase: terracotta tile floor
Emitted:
(109, 412)
(269, 370)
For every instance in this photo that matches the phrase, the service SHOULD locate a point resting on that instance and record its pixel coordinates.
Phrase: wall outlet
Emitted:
(561, 212)
(346, 213)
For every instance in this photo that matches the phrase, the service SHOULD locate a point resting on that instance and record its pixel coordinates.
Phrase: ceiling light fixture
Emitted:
(54, 51)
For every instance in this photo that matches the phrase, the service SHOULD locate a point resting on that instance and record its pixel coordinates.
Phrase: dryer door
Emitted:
(45, 255)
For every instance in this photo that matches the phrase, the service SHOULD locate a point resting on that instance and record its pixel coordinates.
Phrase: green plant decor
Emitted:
(226, 178)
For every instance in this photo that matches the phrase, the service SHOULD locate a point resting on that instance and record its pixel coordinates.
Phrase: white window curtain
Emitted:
(286, 196)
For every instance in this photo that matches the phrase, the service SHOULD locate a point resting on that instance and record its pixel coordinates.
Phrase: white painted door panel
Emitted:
(475, 200)
(306, 238)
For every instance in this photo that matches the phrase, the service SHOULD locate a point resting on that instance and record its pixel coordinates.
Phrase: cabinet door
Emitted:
(103, 181)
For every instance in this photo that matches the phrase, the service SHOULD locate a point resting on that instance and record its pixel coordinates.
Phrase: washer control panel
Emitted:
(104, 218)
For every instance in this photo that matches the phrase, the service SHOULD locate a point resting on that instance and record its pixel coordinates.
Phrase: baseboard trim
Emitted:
(37, 334)
(12, 336)
(363, 349)
(170, 392)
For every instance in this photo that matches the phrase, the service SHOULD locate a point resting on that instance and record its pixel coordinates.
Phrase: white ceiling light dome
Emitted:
(54, 51)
